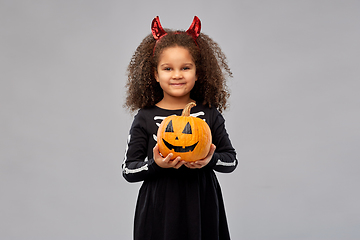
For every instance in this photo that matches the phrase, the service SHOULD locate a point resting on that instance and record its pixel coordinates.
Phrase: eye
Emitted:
(169, 127)
(167, 69)
(186, 68)
(187, 129)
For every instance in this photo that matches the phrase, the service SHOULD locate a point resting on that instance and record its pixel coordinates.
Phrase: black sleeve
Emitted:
(224, 159)
(136, 166)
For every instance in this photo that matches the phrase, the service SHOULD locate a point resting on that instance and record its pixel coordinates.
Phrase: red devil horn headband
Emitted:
(156, 29)
(194, 29)
(158, 32)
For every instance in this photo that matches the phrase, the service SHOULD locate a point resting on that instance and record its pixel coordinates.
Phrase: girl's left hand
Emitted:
(203, 162)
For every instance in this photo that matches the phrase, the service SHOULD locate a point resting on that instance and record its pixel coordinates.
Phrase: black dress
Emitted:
(177, 204)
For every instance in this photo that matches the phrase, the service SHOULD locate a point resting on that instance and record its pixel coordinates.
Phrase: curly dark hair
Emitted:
(212, 71)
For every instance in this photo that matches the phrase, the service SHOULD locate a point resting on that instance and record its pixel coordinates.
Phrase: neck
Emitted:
(174, 104)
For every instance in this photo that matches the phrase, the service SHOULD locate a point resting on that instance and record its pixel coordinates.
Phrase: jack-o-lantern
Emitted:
(185, 136)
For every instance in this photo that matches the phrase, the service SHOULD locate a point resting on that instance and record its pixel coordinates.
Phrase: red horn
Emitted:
(194, 29)
(156, 29)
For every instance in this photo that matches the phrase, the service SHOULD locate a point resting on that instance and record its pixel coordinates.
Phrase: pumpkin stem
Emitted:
(186, 111)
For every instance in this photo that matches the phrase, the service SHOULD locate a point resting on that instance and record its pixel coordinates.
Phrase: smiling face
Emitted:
(179, 138)
(176, 73)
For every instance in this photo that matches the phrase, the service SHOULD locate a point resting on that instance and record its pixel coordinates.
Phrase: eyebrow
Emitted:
(186, 64)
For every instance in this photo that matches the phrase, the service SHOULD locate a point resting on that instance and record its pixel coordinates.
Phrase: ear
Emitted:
(194, 29)
(156, 28)
(156, 75)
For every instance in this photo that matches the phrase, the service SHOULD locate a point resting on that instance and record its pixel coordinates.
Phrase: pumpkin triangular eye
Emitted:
(187, 129)
(169, 127)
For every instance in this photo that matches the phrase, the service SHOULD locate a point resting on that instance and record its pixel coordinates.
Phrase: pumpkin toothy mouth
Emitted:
(179, 148)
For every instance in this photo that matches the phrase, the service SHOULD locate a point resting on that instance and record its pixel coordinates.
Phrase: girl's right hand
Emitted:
(166, 162)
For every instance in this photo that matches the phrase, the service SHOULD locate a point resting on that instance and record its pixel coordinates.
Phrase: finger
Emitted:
(201, 161)
(179, 164)
(188, 165)
(175, 161)
(191, 165)
(198, 165)
(212, 149)
(168, 158)
(156, 149)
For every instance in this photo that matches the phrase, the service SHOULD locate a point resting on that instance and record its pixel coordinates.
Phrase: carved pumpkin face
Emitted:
(185, 136)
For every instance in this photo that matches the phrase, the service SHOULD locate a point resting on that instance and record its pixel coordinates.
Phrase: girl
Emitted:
(177, 200)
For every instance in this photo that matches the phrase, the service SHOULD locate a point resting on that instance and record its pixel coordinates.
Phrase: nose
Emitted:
(177, 74)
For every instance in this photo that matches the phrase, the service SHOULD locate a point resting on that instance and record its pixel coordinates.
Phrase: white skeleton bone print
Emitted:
(157, 121)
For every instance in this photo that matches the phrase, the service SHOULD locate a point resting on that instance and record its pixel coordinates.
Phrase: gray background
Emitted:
(294, 115)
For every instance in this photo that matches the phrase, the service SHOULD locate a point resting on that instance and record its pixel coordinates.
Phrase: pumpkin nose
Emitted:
(176, 138)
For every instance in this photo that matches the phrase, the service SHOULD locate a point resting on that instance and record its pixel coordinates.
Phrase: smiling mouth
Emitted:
(179, 148)
(177, 84)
